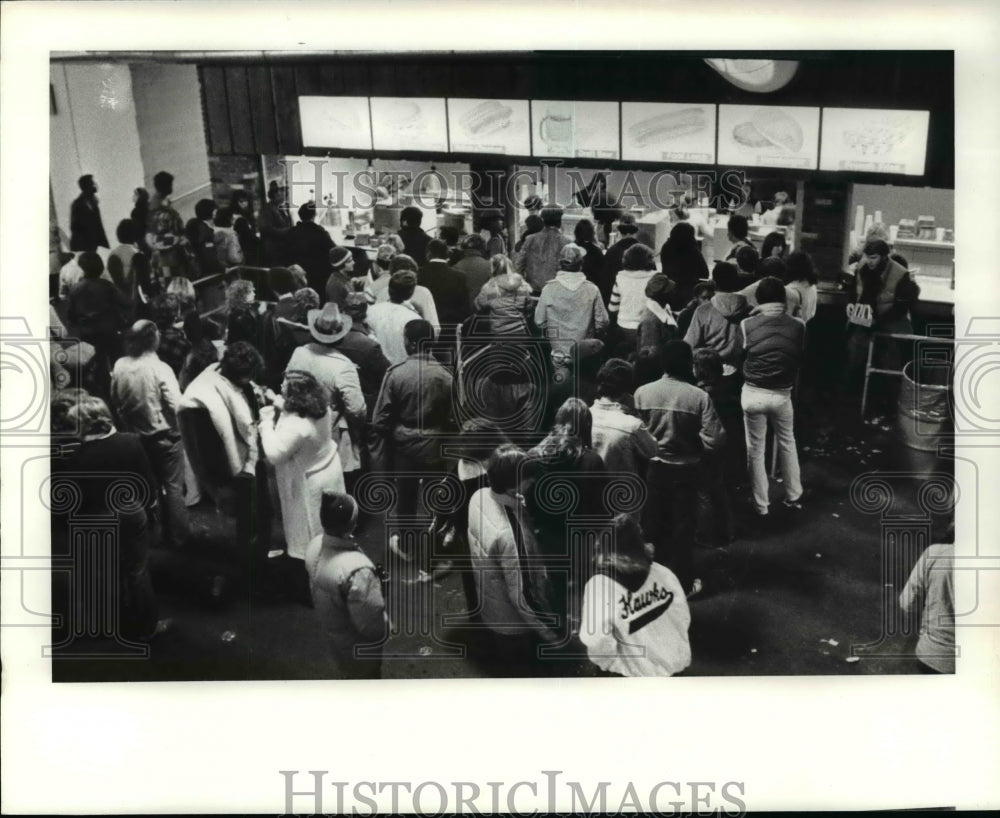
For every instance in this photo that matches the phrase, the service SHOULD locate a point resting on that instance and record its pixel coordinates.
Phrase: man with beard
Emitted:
(881, 296)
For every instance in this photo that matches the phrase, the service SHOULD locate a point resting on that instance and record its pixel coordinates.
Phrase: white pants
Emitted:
(763, 408)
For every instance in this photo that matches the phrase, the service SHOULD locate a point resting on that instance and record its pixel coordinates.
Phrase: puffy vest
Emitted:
(893, 274)
(773, 350)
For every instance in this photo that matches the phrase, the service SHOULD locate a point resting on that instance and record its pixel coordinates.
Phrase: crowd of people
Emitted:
(584, 416)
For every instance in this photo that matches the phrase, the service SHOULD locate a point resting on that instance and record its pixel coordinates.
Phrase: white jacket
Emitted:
(641, 633)
(500, 580)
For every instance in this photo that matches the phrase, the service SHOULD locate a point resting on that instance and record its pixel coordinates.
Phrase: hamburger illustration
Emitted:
(770, 126)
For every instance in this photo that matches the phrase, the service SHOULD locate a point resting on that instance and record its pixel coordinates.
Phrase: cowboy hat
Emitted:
(328, 325)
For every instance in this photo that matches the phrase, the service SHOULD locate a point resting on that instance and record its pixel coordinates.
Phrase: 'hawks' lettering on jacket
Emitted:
(645, 607)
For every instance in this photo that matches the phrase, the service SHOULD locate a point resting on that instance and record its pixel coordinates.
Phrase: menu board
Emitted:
(666, 131)
(879, 141)
(574, 129)
(335, 122)
(489, 126)
(768, 136)
(409, 124)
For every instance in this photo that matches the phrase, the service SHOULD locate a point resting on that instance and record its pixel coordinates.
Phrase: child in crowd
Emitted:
(346, 591)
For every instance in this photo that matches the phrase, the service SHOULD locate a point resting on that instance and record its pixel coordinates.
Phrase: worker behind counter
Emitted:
(881, 295)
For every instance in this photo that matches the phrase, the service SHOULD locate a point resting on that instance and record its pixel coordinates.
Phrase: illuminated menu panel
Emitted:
(878, 141)
(587, 130)
(335, 122)
(489, 126)
(409, 124)
(769, 136)
(671, 132)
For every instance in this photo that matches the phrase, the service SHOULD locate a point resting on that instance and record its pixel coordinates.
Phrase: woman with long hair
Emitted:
(566, 487)
(505, 299)
(682, 262)
(295, 436)
(774, 244)
(585, 236)
(800, 275)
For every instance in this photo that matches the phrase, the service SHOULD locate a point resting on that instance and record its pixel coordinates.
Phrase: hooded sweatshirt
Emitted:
(716, 325)
(570, 309)
(505, 299)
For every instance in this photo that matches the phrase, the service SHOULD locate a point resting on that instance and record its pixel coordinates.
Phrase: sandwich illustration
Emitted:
(665, 127)
(486, 118)
(770, 126)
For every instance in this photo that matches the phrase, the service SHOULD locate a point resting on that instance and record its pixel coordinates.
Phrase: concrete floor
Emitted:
(793, 601)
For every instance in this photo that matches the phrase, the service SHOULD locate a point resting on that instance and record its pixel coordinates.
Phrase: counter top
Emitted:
(929, 243)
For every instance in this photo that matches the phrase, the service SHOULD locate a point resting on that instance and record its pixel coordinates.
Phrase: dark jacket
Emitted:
(275, 227)
(685, 268)
(613, 258)
(97, 307)
(86, 230)
(366, 354)
(476, 270)
(202, 240)
(415, 242)
(414, 405)
(309, 247)
(593, 269)
(450, 289)
(773, 342)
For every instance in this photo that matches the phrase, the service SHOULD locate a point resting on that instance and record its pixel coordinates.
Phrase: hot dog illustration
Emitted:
(664, 127)
(770, 126)
(487, 118)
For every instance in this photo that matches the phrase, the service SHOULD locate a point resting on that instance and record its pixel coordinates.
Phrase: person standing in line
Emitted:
(635, 617)
(738, 229)
(497, 243)
(275, 227)
(585, 236)
(414, 411)
(628, 295)
(511, 582)
(339, 375)
(86, 230)
(310, 247)
(474, 264)
(414, 239)
(682, 419)
(681, 260)
(539, 258)
(146, 397)
(346, 591)
(614, 258)
(295, 438)
(200, 232)
(773, 343)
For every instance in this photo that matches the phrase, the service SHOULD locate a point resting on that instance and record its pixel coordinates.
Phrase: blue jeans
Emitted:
(763, 408)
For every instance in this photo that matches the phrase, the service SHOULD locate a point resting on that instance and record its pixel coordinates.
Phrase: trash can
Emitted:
(924, 415)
